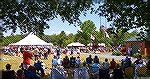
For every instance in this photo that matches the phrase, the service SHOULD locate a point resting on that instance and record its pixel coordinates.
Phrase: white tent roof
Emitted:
(101, 44)
(90, 44)
(31, 39)
(75, 44)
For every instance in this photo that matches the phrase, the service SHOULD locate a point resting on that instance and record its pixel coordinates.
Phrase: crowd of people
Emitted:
(72, 66)
(94, 68)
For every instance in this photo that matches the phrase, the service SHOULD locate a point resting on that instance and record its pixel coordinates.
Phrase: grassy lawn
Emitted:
(16, 61)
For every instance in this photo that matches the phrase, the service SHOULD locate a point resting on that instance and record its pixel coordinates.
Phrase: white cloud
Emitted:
(67, 32)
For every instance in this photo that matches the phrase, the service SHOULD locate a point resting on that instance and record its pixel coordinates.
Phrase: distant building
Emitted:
(137, 45)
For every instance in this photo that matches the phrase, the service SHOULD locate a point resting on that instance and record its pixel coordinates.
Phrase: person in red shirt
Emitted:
(26, 59)
(112, 64)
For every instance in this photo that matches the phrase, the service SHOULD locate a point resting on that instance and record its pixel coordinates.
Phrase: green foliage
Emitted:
(136, 55)
(86, 29)
(32, 15)
(120, 37)
(117, 53)
(11, 39)
(127, 14)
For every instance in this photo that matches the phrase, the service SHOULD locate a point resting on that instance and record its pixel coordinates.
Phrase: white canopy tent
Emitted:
(101, 44)
(31, 39)
(90, 44)
(76, 44)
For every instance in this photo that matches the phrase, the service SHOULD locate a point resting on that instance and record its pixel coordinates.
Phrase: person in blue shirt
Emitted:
(89, 60)
(96, 60)
(58, 73)
(78, 61)
(54, 62)
(95, 67)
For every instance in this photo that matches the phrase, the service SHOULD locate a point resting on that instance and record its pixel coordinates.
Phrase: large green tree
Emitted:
(61, 39)
(87, 29)
(127, 14)
(120, 37)
(32, 15)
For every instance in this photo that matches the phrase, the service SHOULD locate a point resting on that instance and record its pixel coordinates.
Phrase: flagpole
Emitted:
(100, 24)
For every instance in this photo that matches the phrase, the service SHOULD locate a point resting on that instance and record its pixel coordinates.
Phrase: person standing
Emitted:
(89, 60)
(118, 73)
(138, 63)
(96, 60)
(71, 50)
(54, 62)
(72, 61)
(59, 61)
(112, 64)
(76, 72)
(84, 72)
(106, 68)
(26, 58)
(78, 61)
(66, 62)
(20, 74)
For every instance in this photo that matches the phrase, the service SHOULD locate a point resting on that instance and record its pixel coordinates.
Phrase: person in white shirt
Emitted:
(59, 61)
(84, 72)
(76, 72)
(106, 64)
(78, 61)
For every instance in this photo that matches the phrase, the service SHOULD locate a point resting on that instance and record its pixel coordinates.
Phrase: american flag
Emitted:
(106, 35)
(103, 28)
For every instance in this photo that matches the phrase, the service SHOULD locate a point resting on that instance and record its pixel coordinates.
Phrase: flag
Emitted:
(118, 47)
(106, 35)
(92, 37)
(103, 28)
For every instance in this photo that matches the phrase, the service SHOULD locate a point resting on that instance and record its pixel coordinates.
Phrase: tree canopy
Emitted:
(127, 14)
(86, 29)
(32, 15)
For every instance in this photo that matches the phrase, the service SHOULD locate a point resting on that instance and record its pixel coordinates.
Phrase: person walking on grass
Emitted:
(26, 58)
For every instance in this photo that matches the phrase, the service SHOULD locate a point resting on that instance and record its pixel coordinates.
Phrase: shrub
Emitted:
(117, 53)
(136, 55)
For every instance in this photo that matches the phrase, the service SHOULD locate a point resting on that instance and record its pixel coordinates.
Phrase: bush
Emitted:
(136, 55)
(117, 53)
